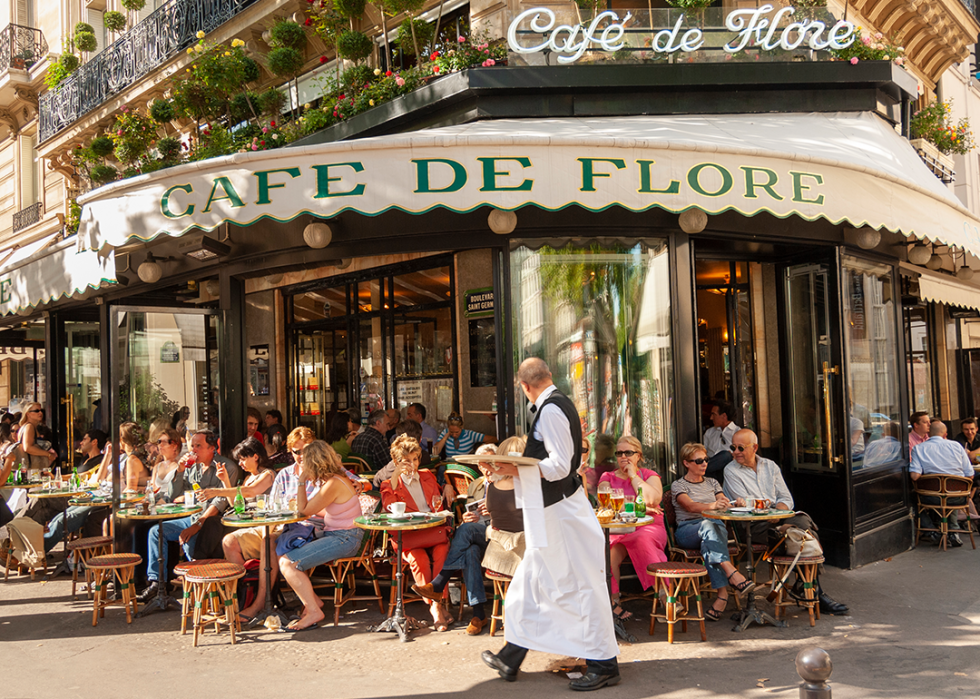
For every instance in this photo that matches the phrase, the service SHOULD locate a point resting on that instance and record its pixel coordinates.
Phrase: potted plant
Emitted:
(936, 138)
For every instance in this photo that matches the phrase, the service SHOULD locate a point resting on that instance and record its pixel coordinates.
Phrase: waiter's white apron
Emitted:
(558, 601)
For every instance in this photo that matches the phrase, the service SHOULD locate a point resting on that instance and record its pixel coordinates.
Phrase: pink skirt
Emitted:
(645, 546)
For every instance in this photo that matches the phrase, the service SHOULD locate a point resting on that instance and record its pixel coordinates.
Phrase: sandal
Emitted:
(713, 613)
(743, 588)
(620, 613)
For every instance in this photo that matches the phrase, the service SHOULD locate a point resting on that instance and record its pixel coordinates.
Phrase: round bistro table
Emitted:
(398, 622)
(47, 493)
(162, 600)
(106, 501)
(608, 529)
(267, 520)
(750, 613)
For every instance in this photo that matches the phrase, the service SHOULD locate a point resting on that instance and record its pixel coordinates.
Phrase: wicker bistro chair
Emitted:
(214, 587)
(500, 584)
(806, 570)
(357, 464)
(342, 569)
(84, 549)
(187, 599)
(679, 581)
(460, 477)
(123, 566)
(944, 488)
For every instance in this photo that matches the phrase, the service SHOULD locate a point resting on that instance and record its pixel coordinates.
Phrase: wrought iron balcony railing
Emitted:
(971, 5)
(21, 47)
(27, 217)
(169, 30)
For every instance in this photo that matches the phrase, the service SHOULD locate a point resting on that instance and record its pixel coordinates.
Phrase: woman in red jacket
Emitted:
(424, 550)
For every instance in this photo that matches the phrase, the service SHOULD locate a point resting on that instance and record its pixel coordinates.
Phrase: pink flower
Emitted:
(119, 132)
(399, 81)
(489, 62)
(254, 147)
(854, 61)
(335, 112)
(899, 61)
(265, 129)
(461, 40)
(866, 40)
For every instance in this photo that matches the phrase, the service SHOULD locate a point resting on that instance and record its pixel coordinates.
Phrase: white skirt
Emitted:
(558, 601)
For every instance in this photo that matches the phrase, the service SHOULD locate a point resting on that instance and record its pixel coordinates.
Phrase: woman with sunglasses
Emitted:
(692, 495)
(168, 445)
(645, 545)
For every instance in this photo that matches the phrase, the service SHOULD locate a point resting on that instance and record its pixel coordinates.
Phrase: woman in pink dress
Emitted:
(645, 545)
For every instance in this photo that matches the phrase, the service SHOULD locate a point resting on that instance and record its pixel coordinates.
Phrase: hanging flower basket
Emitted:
(939, 163)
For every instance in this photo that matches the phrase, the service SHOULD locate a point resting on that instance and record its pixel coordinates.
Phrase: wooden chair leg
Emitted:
(186, 603)
(671, 608)
(199, 602)
(97, 598)
(700, 608)
(124, 575)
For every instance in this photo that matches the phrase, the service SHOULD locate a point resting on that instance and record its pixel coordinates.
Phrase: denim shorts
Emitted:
(328, 547)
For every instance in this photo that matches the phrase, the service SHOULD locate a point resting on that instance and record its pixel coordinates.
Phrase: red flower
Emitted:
(434, 56)
(272, 123)
(335, 113)
(323, 59)
(261, 143)
(341, 97)
(308, 22)
(435, 69)
(388, 74)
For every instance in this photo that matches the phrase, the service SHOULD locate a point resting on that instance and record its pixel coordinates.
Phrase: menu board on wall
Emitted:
(483, 353)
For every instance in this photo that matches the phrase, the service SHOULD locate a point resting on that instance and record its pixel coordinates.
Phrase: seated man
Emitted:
(252, 421)
(200, 467)
(371, 443)
(943, 456)
(91, 448)
(455, 440)
(273, 425)
(751, 476)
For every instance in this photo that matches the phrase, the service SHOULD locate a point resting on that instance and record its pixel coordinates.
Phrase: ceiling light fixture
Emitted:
(203, 249)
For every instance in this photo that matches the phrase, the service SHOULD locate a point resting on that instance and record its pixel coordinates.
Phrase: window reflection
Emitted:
(421, 287)
(871, 364)
(600, 317)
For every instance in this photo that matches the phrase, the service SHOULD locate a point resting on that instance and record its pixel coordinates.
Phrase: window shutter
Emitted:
(28, 169)
(96, 19)
(25, 14)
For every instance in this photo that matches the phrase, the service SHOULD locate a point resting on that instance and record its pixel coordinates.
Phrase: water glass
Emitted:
(189, 498)
(629, 505)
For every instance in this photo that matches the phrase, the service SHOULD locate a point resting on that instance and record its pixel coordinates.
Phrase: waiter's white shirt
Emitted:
(718, 439)
(558, 601)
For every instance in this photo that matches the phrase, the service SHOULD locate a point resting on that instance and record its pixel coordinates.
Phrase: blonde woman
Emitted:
(336, 499)
(38, 451)
(132, 460)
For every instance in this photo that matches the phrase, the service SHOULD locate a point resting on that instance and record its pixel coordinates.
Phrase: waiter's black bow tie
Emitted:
(534, 409)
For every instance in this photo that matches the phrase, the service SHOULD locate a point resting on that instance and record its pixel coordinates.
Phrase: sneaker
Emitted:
(954, 540)
(934, 538)
(151, 591)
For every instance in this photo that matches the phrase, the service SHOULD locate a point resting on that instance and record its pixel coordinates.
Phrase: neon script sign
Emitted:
(757, 27)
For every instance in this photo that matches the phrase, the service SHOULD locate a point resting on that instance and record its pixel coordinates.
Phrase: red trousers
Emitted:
(426, 563)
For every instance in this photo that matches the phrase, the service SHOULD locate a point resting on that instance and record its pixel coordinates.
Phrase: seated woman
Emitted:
(336, 498)
(168, 453)
(694, 494)
(132, 458)
(425, 550)
(341, 435)
(645, 545)
(475, 546)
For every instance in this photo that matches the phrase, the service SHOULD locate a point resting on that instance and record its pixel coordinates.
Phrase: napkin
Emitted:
(529, 496)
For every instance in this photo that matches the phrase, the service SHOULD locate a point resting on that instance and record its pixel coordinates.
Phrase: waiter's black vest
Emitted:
(556, 491)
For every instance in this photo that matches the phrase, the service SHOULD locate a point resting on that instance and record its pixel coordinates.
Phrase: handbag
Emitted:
(800, 543)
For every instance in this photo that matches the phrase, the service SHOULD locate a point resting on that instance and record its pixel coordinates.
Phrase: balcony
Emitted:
(21, 47)
(26, 218)
(171, 29)
(971, 5)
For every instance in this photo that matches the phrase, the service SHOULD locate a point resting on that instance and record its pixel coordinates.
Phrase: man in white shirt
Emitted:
(719, 437)
(938, 455)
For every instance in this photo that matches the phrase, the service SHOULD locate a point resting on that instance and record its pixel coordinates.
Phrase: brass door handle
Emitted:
(827, 371)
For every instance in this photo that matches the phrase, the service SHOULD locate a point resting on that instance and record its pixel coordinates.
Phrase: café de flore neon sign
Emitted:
(757, 27)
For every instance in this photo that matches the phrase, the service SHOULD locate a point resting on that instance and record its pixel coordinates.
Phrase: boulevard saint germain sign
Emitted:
(537, 30)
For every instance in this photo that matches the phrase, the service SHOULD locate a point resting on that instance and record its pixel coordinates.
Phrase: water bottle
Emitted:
(57, 476)
(239, 502)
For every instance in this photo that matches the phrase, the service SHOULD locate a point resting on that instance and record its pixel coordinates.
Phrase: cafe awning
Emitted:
(847, 168)
(49, 269)
(949, 292)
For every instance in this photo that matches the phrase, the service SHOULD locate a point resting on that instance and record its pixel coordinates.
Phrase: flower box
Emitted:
(940, 164)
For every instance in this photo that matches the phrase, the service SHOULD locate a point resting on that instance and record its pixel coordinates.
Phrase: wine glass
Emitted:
(436, 503)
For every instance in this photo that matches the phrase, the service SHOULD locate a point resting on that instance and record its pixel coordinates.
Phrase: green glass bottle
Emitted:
(640, 505)
(239, 502)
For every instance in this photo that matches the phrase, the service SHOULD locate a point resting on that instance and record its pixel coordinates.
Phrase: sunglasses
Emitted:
(627, 454)
(585, 451)
(296, 451)
(163, 441)
(36, 410)
(739, 447)
(700, 461)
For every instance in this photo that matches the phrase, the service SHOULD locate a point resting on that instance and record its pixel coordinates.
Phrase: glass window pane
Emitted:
(320, 304)
(422, 287)
(371, 351)
(370, 296)
(423, 343)
(601, 319)
(919, 360)
(952, 374)
(871, 364)
(83, 373)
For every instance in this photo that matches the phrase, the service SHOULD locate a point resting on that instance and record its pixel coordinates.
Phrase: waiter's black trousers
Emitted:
(513, 656)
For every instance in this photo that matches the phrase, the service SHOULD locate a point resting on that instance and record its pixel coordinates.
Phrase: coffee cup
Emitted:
(397, 509)
(762, 504)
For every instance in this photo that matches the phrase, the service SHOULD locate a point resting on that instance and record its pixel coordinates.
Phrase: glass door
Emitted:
(812, 370)
(166, 360)
(321, 375)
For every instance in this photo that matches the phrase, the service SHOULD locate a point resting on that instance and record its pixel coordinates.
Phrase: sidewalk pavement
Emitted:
(914, 632)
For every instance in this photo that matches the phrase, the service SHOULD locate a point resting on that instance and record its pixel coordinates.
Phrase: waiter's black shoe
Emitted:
(830, 606)
(593, 680)
(149, 592)
(506, 671)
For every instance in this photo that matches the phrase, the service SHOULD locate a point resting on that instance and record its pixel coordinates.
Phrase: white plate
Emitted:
(741, 509)
(400, 517)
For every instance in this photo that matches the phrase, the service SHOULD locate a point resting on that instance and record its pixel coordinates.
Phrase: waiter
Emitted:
(558, 601)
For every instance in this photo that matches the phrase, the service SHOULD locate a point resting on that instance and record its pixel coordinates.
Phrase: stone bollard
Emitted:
(815, 667)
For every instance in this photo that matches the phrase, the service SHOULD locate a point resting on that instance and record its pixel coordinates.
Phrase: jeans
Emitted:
(157, 550)
(56, 527)
(341, 543)
(466, 553)
(711, 536)
(925, 520)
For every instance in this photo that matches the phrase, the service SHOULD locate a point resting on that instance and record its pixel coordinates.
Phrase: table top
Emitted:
(385, 523)
(267, 520)
(616, 524)
(482, 412)
(21, 486)
(106, 500)
(753, 516)
(474, 459)
(169, 513)
(43, 493)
